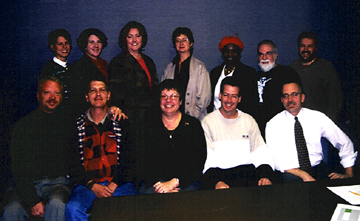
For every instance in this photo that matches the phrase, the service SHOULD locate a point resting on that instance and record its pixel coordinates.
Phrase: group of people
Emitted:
(103, 130)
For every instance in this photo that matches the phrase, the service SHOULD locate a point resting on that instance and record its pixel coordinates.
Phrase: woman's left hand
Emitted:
(167, 187)
(118, 114)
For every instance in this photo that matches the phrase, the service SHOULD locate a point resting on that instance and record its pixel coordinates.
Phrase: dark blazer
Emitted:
(128, 82)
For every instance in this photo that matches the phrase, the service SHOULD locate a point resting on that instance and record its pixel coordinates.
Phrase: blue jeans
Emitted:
(82, 198)
(54, 193)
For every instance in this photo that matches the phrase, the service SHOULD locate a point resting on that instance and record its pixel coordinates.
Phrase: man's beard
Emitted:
(310, 58)
(266, 67)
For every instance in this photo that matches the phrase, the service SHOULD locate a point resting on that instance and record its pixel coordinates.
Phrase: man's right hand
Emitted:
(38, 209)
(101, 191)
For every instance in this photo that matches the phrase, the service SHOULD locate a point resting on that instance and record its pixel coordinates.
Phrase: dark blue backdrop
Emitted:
(25, 25)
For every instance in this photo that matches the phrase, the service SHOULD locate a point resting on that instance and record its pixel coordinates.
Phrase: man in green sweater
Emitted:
(39, 148)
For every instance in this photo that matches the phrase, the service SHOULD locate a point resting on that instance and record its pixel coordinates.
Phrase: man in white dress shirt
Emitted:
(280, 138)
(235, 146)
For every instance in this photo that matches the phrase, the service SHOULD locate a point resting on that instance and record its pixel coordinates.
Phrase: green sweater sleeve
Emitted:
(23, 165)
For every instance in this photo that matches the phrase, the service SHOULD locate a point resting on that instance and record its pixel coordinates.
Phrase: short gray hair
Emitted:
(268, 42)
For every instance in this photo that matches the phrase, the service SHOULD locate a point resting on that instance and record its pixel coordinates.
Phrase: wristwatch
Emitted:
(90, 184)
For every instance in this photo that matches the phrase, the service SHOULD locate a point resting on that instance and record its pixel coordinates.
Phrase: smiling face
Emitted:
(169, 101)
(97, 95)
(292, 98)
(229, 101)
(182, 44)
(231, 53)
(307, 50)
(133, 40)
(94, 47)
(61, 48)
(266, 57)
(49, 96)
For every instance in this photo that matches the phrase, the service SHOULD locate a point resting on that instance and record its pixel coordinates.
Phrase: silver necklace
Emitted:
(170, 134)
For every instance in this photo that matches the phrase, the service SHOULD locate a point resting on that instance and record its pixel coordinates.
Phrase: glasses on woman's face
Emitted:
(165, 97)
(181, 40)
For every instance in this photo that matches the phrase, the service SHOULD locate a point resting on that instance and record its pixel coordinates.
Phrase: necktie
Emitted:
(301, 148)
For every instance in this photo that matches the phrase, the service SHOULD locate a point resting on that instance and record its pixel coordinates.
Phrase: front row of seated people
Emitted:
(100, 159)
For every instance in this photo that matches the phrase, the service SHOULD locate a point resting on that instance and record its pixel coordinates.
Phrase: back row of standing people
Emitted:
(132, 69)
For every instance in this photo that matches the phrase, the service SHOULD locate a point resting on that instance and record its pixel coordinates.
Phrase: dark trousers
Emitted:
(319, 172)
(234, 177)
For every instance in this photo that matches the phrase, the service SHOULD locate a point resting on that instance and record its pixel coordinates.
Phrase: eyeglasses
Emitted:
(172, 97)
(292, 95)
(267, 54)
(181, 40)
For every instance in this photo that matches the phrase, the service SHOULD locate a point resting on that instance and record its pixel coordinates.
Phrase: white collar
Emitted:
(289, 115)
(59, 62)
(90, 119)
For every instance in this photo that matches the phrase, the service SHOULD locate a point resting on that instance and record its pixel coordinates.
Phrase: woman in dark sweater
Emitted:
(176, 148)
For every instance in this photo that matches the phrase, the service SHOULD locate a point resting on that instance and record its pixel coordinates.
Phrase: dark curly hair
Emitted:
(183, 31)
(53, 36)
(310, 35)
(125, 31)
(82, 40)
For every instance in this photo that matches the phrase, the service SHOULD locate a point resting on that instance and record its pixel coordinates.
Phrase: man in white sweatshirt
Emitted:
(236, 152)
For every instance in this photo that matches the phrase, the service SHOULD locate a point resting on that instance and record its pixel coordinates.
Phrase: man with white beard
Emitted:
(270, 81)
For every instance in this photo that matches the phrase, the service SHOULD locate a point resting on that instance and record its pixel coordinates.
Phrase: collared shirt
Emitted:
(280, 139)
(88, 115)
